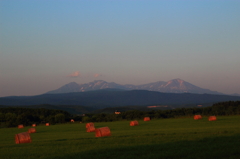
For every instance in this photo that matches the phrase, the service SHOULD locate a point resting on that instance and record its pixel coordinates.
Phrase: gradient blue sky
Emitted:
(45, 44)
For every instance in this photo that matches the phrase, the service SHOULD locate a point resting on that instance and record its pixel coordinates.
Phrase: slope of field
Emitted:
(166, 138)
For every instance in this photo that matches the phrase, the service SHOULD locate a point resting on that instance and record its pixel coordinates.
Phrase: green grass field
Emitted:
(164, 138)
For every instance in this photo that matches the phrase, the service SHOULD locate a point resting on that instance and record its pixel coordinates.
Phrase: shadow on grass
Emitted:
(207, 148)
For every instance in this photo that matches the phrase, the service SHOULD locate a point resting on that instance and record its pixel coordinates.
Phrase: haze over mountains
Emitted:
(172, 86)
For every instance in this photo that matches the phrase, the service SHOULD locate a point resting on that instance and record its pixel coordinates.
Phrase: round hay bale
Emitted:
(33, 125)
(146, 119)
(23, 138)
(20, 126)
(212, 118)
(91, 129)
(89, 124)
(196, 117)
(134, 123)
(101, 132)
(72, 120)
(47, 124)
(31, 130)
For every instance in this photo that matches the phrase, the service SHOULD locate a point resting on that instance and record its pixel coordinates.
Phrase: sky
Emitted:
(45, 44)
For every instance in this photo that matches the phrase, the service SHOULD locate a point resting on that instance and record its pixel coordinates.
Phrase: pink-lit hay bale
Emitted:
(89, 124)
(91, 129)
(101, 132)
(212, 118)
(146, 119)
(20, 126)
(34, 125)
(134, 123)
(72, 120)
(23, 138)
(197, 117)
(31, 130)
(47, 124)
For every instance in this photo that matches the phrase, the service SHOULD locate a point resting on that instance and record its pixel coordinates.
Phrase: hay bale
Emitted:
(134, 123)
(146, 119)
(212, 118)
(47, 124)
(101, 132)
(72, 120)
(91, 129)
(23, 138)
(20, 126)
(89, 124)
(196, 117)
(31, 130)
(33, 125)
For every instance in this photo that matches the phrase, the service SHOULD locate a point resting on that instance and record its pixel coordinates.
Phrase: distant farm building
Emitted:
(156, 106)
(117, 112)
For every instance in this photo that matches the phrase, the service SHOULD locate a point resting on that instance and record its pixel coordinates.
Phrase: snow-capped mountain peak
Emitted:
(172, 86)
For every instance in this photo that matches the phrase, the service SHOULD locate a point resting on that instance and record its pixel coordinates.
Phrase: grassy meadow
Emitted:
(163, 138)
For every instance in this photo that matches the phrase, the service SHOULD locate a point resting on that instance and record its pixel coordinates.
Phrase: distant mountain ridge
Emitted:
(172, 86)
(104, 98)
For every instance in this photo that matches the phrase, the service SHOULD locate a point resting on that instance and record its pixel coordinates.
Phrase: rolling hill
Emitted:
(115, 98)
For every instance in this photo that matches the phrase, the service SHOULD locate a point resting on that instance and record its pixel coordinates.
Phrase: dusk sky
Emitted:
(45, 44)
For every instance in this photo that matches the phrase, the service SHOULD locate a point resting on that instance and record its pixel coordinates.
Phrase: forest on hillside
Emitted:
(13, 116)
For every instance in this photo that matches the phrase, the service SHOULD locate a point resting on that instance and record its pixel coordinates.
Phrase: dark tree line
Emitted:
(10, 117)
(222, 108)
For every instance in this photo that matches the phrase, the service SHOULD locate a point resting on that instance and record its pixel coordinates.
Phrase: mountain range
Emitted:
(106, 98)
(172, 86)
(100, 96)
